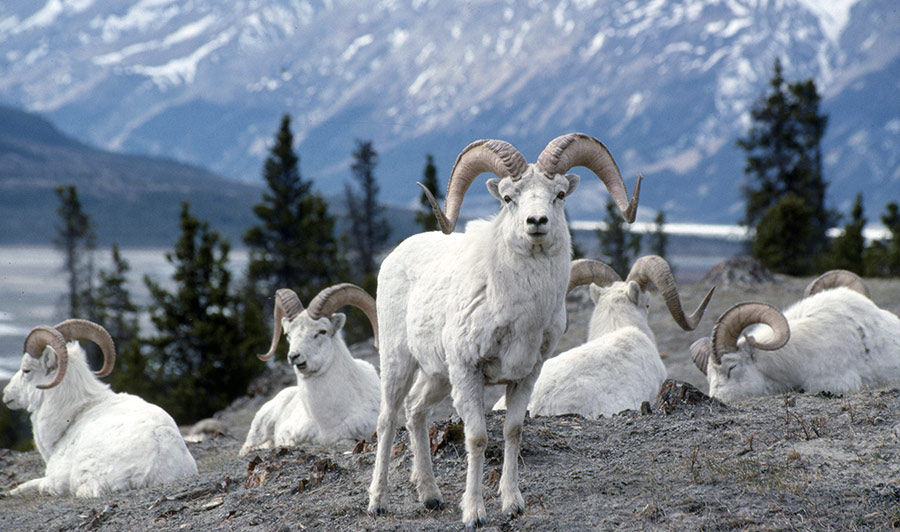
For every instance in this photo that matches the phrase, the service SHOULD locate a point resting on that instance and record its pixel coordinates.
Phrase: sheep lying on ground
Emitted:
(93, 441)
(834, 340)
(486, 306)
(336, 396)
(619, 366)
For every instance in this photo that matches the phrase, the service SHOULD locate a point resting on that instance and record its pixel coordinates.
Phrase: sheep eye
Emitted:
(561, 195)
(26, 371)
(507, 199)
(321, 332)
(728, 373)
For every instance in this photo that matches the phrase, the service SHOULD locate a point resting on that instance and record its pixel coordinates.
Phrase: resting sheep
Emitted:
(834, 340)
(619, 366)
(336, 396)
(487, 306)
(93, 441)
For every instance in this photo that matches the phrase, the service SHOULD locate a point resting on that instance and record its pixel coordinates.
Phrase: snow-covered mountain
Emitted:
(667, 85)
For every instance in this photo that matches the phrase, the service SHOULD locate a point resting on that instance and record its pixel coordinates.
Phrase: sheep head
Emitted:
(312, 333)
(728, 357)
(532, 196)
(654, 269)
(46, 358)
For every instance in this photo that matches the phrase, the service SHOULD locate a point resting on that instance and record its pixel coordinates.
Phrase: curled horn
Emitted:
(287, 304)
(587, 271)
(38, 339)
(654, 269)
(730, 325)
(88, 330)
(834, 279)
(495, 156)
(335, 297)
(578, 149)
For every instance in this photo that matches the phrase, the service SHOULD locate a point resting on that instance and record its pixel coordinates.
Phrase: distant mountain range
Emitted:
(667, 85)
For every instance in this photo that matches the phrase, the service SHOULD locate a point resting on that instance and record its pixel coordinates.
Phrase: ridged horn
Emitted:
(287, 304)
(39, 338)
(734, 320)
(834, 279)
(577, 149)
(587, 271)
(654, 269)
(334, 297)
(75, 329)
(495, 156)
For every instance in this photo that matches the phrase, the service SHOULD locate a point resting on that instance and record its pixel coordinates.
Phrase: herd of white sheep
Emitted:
(455, 312)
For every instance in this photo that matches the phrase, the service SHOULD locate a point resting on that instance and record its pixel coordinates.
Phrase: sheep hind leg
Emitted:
(517, 396)
(468, 399)
(396, 379)
(426, 391)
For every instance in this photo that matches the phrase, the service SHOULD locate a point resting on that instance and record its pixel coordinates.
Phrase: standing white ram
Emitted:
(93, 441)
(336, 396)
(619, 366)
(835, 340)
(487, 306)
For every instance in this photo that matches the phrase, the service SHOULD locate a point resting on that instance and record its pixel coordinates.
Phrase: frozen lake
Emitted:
(33, 285)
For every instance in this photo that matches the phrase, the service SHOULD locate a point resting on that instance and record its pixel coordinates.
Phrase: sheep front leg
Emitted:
(426, 391)
(517, 396)
(32, 486)
(468, 399)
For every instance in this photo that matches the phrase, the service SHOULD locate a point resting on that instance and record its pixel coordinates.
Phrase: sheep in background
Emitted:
(619, 366)
(487, 306)
(835, 340)
(336, 396)
(93, 441)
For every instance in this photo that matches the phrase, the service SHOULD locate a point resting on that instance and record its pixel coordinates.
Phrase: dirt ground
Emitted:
(787, 462)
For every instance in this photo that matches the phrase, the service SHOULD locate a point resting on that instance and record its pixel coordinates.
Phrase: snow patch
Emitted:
(356, 45)
(833, 15)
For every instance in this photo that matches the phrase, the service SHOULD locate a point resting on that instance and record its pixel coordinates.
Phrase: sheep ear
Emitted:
(596, 292)
(700, 351)
(634, 292)
(493, 186)
(338, 319)
(49, 360)
(573, 183)
(284, 324)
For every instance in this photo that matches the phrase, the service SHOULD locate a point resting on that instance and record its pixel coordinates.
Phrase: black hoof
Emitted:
(515, 512)
(472, 525)
(433, 504)
(378, 512)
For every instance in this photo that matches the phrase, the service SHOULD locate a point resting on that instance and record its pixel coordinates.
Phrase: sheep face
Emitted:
(22, 391)
(738, 375)
(532, 218)
(312, 343)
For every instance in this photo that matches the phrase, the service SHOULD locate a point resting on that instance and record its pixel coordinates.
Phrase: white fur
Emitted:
(93, 441)
(840, 342)
(462, 310)
(617, 369)
(336, 396)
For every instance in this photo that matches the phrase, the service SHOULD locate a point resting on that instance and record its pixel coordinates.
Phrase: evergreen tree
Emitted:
(784, 157)
(618, 245)
(197, 361)
(659, 240)
(882, 258)
(369, 230)
(577, 252)
(294, 245)
(119, 315)
(76, 239)
(785, 228)
(847, 251)
(425, 216)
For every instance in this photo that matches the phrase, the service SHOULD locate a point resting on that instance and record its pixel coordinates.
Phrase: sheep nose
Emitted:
(535, 220)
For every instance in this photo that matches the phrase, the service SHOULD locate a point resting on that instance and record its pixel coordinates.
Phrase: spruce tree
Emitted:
(294, 245)
(369, 229)
(659, 240)
(848, 249)
(425, 215)
(882, 257)
(618, 245)
(76, 239)
(785, 228)
(197, 361)
(783, 156)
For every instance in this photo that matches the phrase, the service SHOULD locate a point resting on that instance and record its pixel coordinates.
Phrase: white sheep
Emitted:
(486, 306)
(336, 396)
(619, 366)
(93, 441)
(835, 340)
